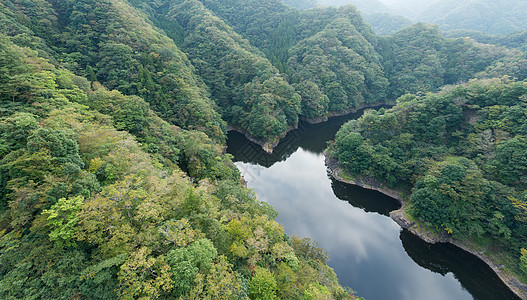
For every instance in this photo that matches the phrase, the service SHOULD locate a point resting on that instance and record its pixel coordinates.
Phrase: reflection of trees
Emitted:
(367, 200)
(473, 274)
(311, 137)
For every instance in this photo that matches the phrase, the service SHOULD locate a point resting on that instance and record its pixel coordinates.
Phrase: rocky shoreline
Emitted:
(402, 218)
(268, 146)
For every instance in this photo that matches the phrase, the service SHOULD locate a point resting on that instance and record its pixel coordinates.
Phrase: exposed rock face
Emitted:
(514, 282)
(399, 218)
(421, 230)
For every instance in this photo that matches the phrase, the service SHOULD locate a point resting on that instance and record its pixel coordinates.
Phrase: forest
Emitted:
(114, 181)
(460, 154)
(260, 70)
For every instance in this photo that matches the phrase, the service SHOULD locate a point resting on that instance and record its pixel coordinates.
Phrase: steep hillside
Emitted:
(327, 53)
(87, 211)
(110, 42)
(250, 92)
(488, 16)
(459, 158)
(274, 27)
(419, 59)
(339, 62)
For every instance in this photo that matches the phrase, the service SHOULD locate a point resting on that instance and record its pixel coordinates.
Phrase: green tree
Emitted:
(62, 219)
(262, 285)
(186, 263)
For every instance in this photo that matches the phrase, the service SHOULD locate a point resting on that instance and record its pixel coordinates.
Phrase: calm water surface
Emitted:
(368, 251)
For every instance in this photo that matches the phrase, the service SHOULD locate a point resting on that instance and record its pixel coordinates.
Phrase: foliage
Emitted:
(385, 23)
(514, 40)
(262, 285)
(101, 198)
(523, 260)
(419, 59)
(109, 41)
(487, 16)
(62, 218)
(185, 263)
(461, 152)
(114, 182)
(342, 63)
(301, 4)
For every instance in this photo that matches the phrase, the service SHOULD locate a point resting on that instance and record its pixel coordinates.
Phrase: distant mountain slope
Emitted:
(418, 59)
(249, 90)
(408, 8)
(259, 65)
(301, 4)
(328, 53)
(489, 16)
(517, 40)
(364, 6)
(386, 24)
(274, 27)
(408, 67)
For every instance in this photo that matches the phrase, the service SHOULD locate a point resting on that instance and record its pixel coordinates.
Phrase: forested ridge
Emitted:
(114, 182)
(102, 199)
(460, 155)
(488, 16)
(260, 66)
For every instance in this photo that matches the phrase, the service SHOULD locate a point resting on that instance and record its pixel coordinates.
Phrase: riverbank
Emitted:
(268, 145)
(403, 219)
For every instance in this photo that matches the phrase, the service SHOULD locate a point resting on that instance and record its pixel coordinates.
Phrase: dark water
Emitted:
(368, 251)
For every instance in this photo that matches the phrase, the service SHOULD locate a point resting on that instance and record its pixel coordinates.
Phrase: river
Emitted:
(369, 251)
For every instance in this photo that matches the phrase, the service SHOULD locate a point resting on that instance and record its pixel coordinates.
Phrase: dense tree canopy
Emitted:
(259, 68)
(110, 42)
(114, 181)
(489, 16)
(100, 198)
(461, 153)
(419, 59)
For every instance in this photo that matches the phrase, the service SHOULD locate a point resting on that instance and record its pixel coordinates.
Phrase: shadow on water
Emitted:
(475, 276)
(311, 137)
(367, 200)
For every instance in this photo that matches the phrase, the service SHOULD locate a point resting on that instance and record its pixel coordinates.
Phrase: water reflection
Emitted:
(369, 201)
(368, 251)
(475, 276)
(310, 137)
(364, 247)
